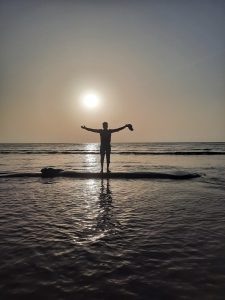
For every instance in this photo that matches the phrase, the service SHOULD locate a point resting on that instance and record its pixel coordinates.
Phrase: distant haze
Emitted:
(159, 65)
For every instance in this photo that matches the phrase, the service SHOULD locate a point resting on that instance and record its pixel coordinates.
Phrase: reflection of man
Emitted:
(105, 192)
(105, 220)
(105, 135)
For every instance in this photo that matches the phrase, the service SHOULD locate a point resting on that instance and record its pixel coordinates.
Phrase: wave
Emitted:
(172, 153)
(113, 152)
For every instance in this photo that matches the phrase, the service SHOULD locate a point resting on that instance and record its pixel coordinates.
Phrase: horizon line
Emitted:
(144, 142)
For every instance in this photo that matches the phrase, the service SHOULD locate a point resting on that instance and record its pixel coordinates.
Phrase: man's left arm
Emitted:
(118, 129)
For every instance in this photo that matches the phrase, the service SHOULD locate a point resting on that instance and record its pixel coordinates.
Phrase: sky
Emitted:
(158, 64)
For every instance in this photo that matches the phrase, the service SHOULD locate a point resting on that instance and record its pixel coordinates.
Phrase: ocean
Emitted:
(71, 238)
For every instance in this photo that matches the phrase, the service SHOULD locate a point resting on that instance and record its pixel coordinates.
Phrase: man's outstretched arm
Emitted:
(118, 129)
(91, 129)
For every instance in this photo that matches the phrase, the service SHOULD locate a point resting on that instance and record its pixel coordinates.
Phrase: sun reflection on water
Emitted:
(92, 160)
(98, 220)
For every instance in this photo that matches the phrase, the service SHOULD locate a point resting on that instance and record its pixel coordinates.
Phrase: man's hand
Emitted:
(130, 127)
(83, 127)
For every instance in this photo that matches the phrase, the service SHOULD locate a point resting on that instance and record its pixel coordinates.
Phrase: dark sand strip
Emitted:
(119, 175)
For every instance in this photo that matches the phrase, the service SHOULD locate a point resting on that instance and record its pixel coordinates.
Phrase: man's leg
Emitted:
(108, 159)
(102, 161)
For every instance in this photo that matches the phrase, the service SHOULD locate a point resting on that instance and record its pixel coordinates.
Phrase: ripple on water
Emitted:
(115, 239)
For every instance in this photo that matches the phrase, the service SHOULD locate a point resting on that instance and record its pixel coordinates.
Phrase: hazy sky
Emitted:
(159, 65)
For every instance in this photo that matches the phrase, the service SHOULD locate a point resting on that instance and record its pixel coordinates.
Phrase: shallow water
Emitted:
(117, 239)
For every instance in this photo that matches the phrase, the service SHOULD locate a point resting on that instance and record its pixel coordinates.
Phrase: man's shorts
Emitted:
(107, 151)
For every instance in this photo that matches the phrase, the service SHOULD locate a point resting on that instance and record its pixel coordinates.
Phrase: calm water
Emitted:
(117, 239)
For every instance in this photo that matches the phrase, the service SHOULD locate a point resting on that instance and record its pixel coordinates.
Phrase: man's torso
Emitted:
(105, 136)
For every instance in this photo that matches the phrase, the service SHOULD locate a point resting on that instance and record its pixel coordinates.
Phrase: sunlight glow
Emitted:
(90, 100)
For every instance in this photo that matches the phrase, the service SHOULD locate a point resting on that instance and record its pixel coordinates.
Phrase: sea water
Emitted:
(67, 238)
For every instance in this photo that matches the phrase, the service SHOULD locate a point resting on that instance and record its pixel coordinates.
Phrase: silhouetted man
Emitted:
(105, 136)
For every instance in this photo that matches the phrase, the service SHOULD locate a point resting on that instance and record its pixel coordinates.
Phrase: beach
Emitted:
(71, 238)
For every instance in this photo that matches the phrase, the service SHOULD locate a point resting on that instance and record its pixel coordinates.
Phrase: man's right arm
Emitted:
(91, 129)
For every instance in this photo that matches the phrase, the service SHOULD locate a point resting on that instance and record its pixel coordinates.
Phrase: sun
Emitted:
(90, 100)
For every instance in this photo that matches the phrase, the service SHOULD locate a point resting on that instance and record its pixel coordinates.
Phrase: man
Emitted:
(105, 136)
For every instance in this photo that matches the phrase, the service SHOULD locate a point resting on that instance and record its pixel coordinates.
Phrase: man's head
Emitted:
(105, 125)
